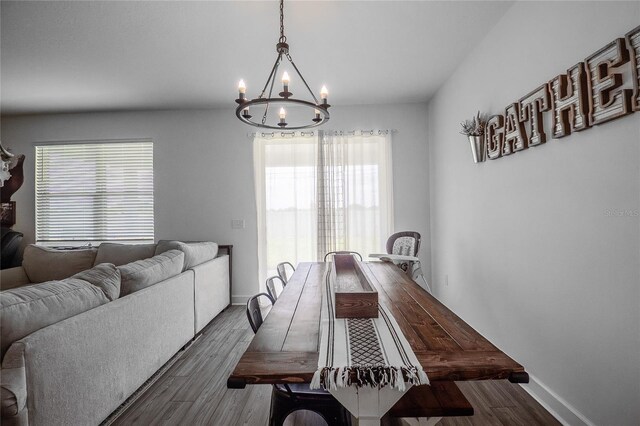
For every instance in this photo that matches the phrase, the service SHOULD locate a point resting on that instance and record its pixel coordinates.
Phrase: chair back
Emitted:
(406, 243)
(333, 253)
(254, 314)
(282, 271)
(11, 241)
(271, 287)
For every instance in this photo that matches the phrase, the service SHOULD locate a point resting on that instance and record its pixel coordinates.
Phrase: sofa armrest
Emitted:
(79, 370)
(13, 386)
(212, 292)
(13, 277)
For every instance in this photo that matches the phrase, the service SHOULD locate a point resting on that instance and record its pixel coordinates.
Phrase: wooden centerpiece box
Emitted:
(355, 296)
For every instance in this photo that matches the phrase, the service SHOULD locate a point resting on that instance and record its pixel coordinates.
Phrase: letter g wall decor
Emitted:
(590, 93)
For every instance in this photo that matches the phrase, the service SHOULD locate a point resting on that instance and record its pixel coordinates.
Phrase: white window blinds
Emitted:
(94, 192)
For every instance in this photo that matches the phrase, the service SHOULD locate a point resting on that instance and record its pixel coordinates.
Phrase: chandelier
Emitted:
(305, 113)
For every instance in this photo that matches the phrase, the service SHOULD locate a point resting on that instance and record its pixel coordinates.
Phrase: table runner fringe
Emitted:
(378, 376)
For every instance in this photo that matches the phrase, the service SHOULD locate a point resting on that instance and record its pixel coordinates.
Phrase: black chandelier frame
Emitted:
(320, 109)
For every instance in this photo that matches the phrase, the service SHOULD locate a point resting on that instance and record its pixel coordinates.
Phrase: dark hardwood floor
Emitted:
(193, 390)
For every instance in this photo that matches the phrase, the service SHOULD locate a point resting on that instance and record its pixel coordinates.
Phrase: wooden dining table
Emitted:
(286, 347)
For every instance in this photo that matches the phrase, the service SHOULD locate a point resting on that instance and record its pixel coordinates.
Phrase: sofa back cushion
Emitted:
(26, 309)
(194, 253)
(147, 272)
(121, 254)
(46, 264)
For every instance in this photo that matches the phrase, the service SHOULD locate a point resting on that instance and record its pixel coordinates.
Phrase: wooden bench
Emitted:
(440, 399)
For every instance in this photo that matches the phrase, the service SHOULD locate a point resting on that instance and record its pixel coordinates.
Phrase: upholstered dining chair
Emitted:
(272, 288)
(333, 253)
(288, 398)
(282, 271)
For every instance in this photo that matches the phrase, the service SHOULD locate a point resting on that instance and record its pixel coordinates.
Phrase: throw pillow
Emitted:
(104, 276)
(147, 272)
(121, 254)
(26, 309)
(194, 253)
(46, 264)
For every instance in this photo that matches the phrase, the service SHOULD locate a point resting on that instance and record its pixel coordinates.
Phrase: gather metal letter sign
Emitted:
(589, 93)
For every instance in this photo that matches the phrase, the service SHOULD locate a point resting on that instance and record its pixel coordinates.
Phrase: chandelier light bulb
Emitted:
(324, 93)
(283, 113)
(241, 87)
(285, 78)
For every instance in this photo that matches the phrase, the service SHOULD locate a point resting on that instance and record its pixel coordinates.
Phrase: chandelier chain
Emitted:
(283, 38)
(301, 77)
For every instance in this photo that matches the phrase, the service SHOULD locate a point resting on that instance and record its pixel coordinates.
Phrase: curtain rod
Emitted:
(371, 132)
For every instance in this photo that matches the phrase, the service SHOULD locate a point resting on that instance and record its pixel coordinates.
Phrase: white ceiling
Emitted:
(102, 56)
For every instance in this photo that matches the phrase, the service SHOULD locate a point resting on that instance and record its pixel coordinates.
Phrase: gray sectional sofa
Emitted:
(83, 329)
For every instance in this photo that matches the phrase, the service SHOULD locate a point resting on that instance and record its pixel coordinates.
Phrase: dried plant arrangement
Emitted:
(475, 126)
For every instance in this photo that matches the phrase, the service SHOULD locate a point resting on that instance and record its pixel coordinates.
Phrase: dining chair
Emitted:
(271, 287)
(282, 271)
(254, 314)
(287, 398)
(333, 253)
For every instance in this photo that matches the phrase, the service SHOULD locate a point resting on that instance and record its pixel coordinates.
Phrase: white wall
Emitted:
(204, 170)
(532, 259)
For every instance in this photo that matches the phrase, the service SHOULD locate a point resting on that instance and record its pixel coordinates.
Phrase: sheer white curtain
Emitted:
(355, 192)
(321, 192)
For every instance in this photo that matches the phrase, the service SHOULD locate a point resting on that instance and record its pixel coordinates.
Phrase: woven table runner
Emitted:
(363, 351)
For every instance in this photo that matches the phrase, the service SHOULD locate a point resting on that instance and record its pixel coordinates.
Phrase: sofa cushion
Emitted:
(121, 254)
(194, 253)
(26, 309)
(147, 272)
(46, 264)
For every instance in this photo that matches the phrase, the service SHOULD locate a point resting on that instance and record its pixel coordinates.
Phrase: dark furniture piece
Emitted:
(271, 286)
(285, 349)
(282, 271)
(355, 253)
(440, 399)
(287, 398)
(254, 314)
(9, 250)
(228, 249)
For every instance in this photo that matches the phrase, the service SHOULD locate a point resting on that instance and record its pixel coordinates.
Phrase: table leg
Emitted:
(367, 404)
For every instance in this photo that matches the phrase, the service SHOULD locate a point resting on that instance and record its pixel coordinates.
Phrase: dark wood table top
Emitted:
(285, 349)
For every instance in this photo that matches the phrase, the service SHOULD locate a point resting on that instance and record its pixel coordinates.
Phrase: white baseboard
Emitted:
(556, 405)
(238, 299)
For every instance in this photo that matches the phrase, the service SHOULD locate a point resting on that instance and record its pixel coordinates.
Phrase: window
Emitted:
(319, 193)
(90, 192)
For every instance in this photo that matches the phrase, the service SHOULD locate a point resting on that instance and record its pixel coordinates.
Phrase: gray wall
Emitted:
(204, 170)
(531, 257)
